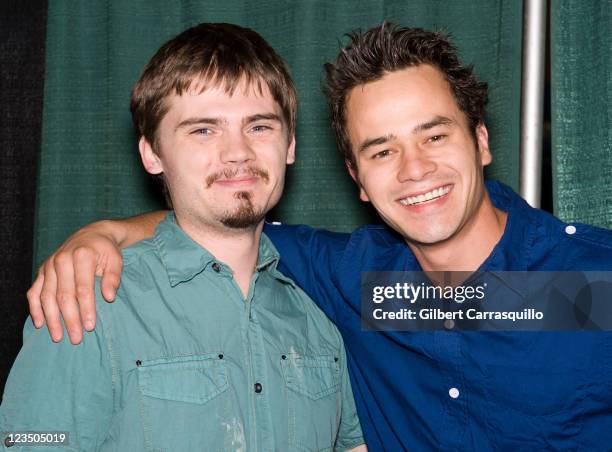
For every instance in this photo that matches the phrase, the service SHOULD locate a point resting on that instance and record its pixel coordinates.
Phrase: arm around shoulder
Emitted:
(65, 282)
(133, 229)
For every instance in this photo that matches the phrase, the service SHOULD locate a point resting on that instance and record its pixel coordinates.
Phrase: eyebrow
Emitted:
(262, 117)
(375, 142)
(436, 121)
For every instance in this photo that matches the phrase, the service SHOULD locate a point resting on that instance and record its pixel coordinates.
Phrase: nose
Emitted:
(415, 165)
(236, 148)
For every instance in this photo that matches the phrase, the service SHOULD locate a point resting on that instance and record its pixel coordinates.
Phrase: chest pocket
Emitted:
(313, 401)
(195, 379)
(542, 382)
(187, 403)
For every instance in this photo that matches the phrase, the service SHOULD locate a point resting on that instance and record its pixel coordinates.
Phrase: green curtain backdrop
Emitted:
(89, 166)
(581, 89)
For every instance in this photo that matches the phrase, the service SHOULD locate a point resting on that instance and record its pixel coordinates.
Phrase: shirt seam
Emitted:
(338, 263)
(115, 372)
(589, 240)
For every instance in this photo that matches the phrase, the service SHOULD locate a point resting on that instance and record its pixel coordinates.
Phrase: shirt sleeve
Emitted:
(59, 387)
(310, 257)
(349, 432)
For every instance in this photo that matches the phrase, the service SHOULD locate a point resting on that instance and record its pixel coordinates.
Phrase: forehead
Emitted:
(244, 84)
(411, 95)
(242, 98)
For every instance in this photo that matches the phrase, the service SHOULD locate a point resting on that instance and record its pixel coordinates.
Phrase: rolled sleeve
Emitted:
(59, 387)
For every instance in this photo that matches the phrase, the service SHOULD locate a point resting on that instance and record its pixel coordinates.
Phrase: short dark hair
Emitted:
(221, 53)
(387, 48)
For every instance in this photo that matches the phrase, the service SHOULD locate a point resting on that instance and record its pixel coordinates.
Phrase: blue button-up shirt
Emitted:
(449, 390)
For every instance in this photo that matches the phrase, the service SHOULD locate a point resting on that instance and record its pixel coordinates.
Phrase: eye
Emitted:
(260, 128)
(436, 138)
(381, 154)
(202, 131)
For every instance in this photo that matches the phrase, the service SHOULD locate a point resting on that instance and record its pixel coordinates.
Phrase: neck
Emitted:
(469, 247)
(238, 248)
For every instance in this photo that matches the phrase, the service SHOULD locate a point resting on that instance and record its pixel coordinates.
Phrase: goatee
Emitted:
(245, 216)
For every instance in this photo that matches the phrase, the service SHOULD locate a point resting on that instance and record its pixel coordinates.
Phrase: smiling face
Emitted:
(223, 155)
(416, 159)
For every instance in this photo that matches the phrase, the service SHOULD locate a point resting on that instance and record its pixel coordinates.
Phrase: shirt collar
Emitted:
(523, 230)
(513, 252)
(183, 258)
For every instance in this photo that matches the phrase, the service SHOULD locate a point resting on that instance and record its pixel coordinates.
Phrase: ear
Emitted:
(482, 139)
(354, 174)
(291, 151)
(150, 160)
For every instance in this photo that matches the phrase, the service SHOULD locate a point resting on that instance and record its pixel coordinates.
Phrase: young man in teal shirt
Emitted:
(211, 347)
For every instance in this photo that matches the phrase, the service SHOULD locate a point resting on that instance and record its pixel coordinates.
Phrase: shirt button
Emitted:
(449, 324)
(258, 388)
(8, 442)
(571, 229)
(216, 267)
(453, 392)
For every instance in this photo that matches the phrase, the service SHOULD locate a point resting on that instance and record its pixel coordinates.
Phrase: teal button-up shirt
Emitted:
(183, 362)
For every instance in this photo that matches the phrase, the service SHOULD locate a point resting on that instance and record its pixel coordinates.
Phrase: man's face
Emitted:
(416, 159)
(223, 157)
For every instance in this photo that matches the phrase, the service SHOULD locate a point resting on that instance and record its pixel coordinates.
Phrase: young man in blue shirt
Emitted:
(409, 120)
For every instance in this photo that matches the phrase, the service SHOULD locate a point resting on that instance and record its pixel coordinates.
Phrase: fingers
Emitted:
(85, 262)
(66, 296)
(112, 276)
(65, 286)
(33, 295)
(49, 302)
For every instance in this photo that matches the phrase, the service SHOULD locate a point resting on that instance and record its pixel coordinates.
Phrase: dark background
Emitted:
(22, 51)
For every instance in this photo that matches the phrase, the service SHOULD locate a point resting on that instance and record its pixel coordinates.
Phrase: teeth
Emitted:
(433, 194)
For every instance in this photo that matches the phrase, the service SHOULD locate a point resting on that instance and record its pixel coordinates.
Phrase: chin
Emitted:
(431, 237)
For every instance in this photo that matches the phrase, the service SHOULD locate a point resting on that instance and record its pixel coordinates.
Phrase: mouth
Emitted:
(426, 197)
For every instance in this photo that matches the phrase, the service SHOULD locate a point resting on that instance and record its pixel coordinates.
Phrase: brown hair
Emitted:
(388, 48)
(221, 53)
